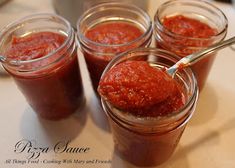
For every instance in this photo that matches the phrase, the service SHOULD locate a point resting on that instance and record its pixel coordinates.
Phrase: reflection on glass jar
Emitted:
(187, 26)
(41, 57)
(148, 138)
(108, 29)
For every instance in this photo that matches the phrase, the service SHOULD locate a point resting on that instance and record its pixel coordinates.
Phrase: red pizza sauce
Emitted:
(34, 46)
(138, 88)
(54, 91)
(119, 33)
(114, 33)
(144, 93)
(188, 35)
(188, 27)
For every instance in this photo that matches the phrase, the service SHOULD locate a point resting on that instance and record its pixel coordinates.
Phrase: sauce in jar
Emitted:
(34, 46)
(145, 107)
(189, 27)
(142, 90)
(183, 41)
(54, 91)
(109, 33)
(108, 29)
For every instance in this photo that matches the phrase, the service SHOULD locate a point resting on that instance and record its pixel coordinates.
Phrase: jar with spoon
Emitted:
(188, 26)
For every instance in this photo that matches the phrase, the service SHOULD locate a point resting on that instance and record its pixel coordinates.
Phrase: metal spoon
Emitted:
(195, 57)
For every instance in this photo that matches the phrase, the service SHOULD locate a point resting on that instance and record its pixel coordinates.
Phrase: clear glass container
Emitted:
(183, 45)
(97, 55)
(150, 141)
(51, 83)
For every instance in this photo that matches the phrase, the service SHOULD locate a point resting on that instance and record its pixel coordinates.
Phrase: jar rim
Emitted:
(151, 121)
(100, 8)
(32, 18)
(158, 22)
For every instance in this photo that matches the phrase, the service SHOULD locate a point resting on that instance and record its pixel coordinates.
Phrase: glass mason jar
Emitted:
(97, 54)
(51, 83)
(183, 45)
(150, 141)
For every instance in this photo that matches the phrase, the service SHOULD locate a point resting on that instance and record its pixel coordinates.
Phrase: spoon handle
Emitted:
(198, 55)
(193, 58)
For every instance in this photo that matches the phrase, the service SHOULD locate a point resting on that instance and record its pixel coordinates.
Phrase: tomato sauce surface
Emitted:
(188, 27)
(114, 33)
(34, 46)
(138, 88)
